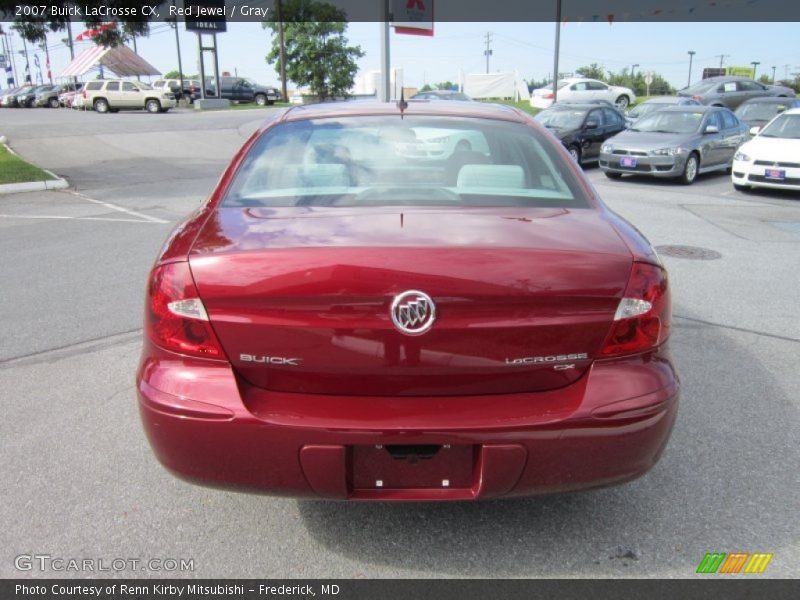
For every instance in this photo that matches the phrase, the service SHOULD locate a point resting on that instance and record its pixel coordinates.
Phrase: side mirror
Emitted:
(754, 130)
(711, 129)
(591, 124)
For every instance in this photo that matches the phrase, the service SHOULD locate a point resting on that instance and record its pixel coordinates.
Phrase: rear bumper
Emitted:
(207, 426)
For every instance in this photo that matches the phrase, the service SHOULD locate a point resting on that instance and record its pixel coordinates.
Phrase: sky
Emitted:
(525, 47)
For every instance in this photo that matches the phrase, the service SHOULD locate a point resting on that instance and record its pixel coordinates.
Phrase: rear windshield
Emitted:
(416, 161)
(562, 119)
(699, 87)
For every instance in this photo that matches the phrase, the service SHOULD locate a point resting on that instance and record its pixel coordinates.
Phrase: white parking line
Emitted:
(2, 216)
(133, 213)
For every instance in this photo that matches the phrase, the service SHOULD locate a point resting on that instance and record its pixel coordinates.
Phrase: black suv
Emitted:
(239, 89)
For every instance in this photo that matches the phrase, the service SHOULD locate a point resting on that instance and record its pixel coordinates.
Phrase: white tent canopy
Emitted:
(494, 85)
(121, 61)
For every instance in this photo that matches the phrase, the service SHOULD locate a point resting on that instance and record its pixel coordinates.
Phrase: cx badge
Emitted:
(413, 312)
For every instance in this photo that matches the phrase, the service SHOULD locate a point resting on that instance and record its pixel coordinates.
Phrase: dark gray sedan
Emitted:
(730, 91)
(679, 142)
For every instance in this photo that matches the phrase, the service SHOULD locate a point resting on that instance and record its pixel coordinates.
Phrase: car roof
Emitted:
(324, 110)
(693, 108)
(573, 105)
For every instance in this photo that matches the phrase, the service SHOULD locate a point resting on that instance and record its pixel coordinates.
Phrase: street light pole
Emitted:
(755, 63)
(633, 70)
(282, 53)
(773, 75)
(691, 56)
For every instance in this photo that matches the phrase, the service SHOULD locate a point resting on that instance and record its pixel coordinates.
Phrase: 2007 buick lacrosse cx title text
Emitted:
(421, 301)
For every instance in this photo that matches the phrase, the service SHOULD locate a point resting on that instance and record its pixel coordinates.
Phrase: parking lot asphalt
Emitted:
(80, 480)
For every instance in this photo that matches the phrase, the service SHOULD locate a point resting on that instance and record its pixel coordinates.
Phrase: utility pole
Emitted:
(691, 56)
(135, 51)
(178, 46)
(633, 70)
(755, 63)
(282, 52)
(722, 58)
(488, 52)
(557, 50)
(773, 74)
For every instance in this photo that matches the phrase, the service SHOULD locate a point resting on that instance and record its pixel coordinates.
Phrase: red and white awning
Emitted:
(122, 61)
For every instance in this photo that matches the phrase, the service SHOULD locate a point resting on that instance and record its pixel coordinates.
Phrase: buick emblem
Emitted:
(413, 312)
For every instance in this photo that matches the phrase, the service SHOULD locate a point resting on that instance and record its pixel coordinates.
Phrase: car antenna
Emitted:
(402, 104)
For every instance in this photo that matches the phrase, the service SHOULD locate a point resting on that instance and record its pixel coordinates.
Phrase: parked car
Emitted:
(657, 103)
(67, 97)
(112, 95)
(9, 97)
(441, 95)
(582, 128)
(757, 112)
(241, 89)
(344, 324)
(731, 91)
(49, 97)
(678, 142)
(27, 96)
(772, 158)
(190, 87)
(582, 89)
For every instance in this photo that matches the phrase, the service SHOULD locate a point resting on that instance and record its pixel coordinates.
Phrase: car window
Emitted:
(749, 86)
(728, 120)
(612, 117)
(94, 85)
(562, 118)
(597, 115)
(596, 85)
(158, 83)
(579, 87)
(112, 86)
(714, 119)
(418, 161)
(728, 86)
(129, 87)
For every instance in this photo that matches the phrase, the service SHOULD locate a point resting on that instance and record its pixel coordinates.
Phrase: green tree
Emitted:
(175, 74)
(317, 52)
(592, 71)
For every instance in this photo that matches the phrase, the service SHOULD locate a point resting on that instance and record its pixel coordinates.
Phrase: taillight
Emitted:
(175, 317)
(548, 96)
(83, 93)
(698, 98)
(644, 314)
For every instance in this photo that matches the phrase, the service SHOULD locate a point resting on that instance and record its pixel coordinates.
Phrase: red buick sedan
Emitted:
(421, 304)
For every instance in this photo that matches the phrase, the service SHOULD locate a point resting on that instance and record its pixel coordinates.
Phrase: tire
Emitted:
(690, 169)
(152, 106)
(101, 105)
(575, 153)
(261, 99)
(54, 103)
(622, 102)
(612, 175)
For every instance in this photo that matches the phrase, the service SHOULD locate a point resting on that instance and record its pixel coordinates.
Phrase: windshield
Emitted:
(561, 119)
(760, 111)
(549, 86)
(416, 161)
(784, 126)
(670, 122)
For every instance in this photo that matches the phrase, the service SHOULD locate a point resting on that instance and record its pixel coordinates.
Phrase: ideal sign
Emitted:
(414, 17)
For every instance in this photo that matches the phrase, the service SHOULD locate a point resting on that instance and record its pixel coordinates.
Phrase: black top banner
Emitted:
(572, 11)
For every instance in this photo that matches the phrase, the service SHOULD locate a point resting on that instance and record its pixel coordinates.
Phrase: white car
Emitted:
(772, 158)
(579, 89)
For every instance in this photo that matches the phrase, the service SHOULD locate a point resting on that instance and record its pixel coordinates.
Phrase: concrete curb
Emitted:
(57, 183)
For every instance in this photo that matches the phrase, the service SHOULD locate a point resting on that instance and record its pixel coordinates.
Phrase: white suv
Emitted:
(113, 95)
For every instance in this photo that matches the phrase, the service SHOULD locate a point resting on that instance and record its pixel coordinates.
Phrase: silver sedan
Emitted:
(679, 142)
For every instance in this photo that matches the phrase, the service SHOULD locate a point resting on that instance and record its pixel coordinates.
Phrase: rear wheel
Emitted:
(54, 103)
(690, 170)
(152, 106)
(612, 175)
(101, 105)
(622, 102)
